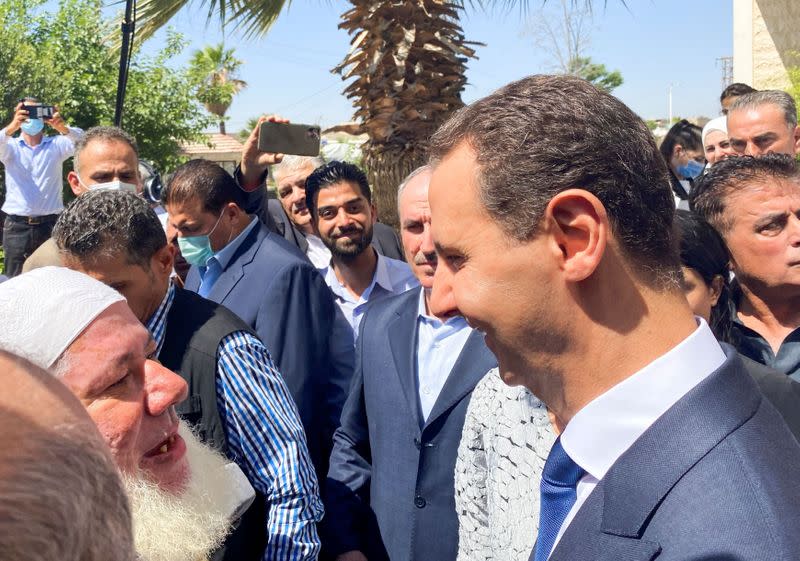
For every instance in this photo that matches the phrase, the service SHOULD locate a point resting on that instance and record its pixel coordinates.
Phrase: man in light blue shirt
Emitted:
(340, 203)
(33, 181)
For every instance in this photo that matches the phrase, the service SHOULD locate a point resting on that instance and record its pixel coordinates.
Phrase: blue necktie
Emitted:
(213, 271)
(559, 479)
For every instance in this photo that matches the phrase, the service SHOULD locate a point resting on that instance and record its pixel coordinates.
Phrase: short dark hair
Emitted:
(542, 135)
(735, 90)
(106, 223)
(703, 250)
(709, 194)
(206, 181)
(778, 98)
(330, 173)
(102, 134)
(687, 134)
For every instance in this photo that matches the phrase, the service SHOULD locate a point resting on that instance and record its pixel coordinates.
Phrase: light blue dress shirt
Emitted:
(217, 263)
(33, 173)
(438, 347)
(391, 277)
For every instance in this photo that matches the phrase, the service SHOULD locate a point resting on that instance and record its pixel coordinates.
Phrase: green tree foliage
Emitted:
(62, 57)
(597, 74)
(244, 133)
(794, 76)
(214, 70)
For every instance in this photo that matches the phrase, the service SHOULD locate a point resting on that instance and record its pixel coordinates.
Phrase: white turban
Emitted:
(43, 311)
(717, 124)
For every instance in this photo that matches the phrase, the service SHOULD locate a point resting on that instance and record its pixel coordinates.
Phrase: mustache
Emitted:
(422, 258)
(343, 231)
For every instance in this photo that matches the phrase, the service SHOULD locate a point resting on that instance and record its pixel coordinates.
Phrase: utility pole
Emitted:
(726, 62)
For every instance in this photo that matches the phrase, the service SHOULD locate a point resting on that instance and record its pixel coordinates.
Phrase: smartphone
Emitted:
(39, 111)
(286, 138)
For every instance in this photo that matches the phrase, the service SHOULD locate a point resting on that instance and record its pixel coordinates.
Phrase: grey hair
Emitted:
(542, 135)
(780, 99)
(420, 170)
(102, 134)
(295, 163)
(61, 497)
(107, 223)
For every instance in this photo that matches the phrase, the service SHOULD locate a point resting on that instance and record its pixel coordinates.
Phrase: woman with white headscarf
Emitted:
(715, 140)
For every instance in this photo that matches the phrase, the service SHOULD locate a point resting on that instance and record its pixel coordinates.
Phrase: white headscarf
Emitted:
(43, 311)
(717, 124)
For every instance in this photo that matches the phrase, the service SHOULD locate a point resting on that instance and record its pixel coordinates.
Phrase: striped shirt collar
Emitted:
(157, 324)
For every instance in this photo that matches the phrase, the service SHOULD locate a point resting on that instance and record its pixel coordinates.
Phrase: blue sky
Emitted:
(653, 43)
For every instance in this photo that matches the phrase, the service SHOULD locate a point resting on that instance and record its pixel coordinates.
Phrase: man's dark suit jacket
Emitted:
(717, 477)
(390, 490)
(283, 298)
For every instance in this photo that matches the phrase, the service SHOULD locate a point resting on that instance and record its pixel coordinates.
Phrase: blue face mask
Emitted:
(32, 126)
(197, 249)
(691, 169)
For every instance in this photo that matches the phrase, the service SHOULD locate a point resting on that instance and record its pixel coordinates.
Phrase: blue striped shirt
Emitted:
(266, 438)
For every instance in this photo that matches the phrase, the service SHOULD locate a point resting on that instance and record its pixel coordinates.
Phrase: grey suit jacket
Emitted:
(390, 489)
(717, 477)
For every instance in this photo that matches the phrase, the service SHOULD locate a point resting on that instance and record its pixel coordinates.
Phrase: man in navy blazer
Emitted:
(237, 262)
(390, 490)
(552, 218)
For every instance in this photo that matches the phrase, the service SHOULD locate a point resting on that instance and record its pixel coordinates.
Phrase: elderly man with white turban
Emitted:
(183, 495)
(716, 145)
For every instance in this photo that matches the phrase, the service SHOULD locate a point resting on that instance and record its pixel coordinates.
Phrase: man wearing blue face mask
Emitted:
(270, 284)
(33, 181)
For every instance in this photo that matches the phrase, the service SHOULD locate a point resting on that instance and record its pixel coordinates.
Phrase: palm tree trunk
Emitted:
(222, 127)
(408, 58)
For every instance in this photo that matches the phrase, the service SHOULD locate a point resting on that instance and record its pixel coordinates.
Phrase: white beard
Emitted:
(185, 527)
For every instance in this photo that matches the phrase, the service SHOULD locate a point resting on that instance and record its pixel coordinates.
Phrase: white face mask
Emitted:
(115, 185)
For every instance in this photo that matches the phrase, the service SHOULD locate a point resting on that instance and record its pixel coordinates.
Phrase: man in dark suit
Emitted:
(552, 218)
(288, 214)
(389, 493)
(268, 283)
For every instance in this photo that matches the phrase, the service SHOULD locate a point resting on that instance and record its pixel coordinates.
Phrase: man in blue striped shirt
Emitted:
(238, 401)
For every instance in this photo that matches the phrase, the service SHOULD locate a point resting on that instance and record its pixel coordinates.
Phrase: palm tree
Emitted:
(214, 69)
(407, 64)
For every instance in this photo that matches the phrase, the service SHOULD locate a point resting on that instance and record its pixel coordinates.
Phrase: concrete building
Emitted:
(766, 41)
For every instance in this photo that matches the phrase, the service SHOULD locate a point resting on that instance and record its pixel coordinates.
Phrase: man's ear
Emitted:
(75, 184)
(578, 225)
(716, 289)
(797, 140)
(163, 260)
(374, 210)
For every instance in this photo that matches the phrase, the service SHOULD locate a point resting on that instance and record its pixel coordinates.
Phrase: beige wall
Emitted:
(764, 31)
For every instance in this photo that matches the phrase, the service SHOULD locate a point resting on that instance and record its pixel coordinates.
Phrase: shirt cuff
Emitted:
(74, 133)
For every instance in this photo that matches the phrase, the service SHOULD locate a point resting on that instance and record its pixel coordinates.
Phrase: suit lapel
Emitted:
(402, 334)
(615, 516)
(243, 256)
(472, 364)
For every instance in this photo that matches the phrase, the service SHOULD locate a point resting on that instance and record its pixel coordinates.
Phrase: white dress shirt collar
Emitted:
(607, 426)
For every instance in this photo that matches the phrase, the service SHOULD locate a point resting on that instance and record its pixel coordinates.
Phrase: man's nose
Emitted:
(343, 218)
(298, 195)
(427, 246)
(442, 301)
(163, 388)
